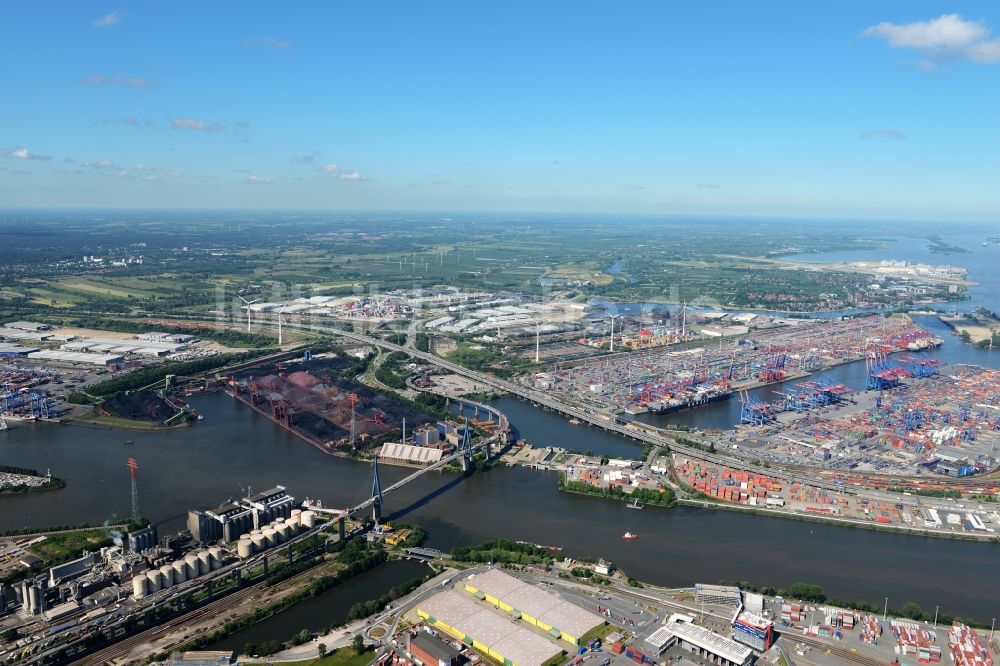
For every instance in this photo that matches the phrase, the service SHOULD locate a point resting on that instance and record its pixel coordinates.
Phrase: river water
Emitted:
(317, 613)
(234, 448)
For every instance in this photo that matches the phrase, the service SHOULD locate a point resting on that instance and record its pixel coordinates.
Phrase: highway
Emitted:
(586, 416)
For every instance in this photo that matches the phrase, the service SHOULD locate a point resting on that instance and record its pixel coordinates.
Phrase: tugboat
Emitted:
(629, 536)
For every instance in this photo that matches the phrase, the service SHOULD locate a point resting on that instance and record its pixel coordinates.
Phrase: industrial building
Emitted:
(547, 611)
(486, 631)
(75, 358)
(30, 326)
(753, 630)
(431, 651)
(234, 519)
(395, 452)
(144, 539)
(708, 645)
(7, 349)
(141, 347)
(72, 569)
(724, 595)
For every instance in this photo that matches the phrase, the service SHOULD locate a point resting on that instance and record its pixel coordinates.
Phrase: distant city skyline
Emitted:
(847, 110)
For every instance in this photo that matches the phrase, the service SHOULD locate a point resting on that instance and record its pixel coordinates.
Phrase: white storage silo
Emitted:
(180, 571)
(308, 519)
(167, 572)
(217, 556)
(205, 558)
(155, 579)
(194, 567)
(140, 586)
(244, 548)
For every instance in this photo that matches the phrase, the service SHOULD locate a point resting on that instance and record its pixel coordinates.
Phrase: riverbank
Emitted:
(840, 521)
(25, 480)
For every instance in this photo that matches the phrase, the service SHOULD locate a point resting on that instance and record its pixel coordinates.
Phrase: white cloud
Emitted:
(266, 42)
(23, 154)
(195, 124)
(352, 176)
(100, 164)
(946, 37)
(305, 159)
(259, 180)
(131, 121)
(136, 82)
(330, 168)
(891, 134)
(151, 179)
(108, 20)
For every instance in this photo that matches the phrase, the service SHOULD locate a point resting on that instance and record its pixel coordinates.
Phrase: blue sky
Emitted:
(826, 109)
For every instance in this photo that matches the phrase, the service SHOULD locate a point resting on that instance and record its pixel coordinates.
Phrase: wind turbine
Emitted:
(612, 318)
(280, 311)
(248, 304)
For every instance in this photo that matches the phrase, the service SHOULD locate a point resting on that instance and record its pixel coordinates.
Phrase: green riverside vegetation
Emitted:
(642, 495)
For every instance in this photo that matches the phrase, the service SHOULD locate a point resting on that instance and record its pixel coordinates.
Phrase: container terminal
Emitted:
(944, 423)
(661, 380)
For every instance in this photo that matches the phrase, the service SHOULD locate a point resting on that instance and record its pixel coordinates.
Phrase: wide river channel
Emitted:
(234, 448)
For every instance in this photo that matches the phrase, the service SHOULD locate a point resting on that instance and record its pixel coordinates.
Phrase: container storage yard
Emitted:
(791, 497)
(946, 424)
(661, 380)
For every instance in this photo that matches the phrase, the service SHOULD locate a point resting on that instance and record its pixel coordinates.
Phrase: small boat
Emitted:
(629, 535)
(634, 505)
(129, 441)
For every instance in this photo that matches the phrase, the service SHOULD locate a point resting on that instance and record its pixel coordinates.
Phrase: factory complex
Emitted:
(70, 347)
(447, 310)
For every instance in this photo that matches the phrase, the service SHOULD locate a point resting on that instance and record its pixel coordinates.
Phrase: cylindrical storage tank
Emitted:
(34, 600)
(140, 586)
(259, 542)
(193, 565)
(167, 572)
(244, 548)
(254, 533)
(205, 558)
(288, 530)
(155, 580)
(180, 568)
(308, 519)
(296, 518)
(270, 537)
(279, 534)
(216, 553)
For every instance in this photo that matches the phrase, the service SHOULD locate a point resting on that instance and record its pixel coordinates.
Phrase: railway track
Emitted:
(122, 648)
(837, 651)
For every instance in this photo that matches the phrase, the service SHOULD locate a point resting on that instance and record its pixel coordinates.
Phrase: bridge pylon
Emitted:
(376, 494)
(466, 448)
